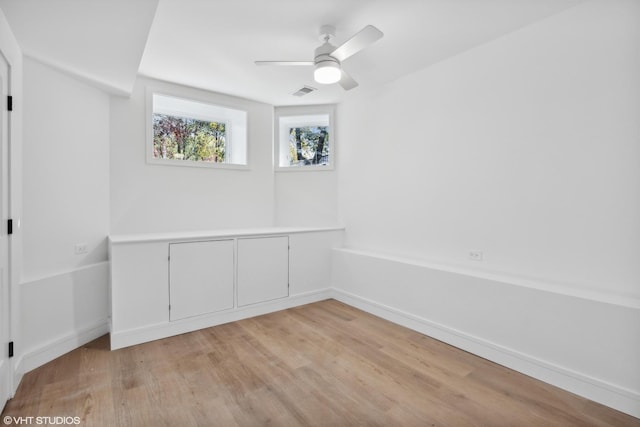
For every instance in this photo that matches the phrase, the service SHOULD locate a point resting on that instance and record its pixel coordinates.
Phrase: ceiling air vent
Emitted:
(305, 90)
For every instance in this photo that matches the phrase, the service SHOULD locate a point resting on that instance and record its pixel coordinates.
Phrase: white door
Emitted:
(263, 269)
(5, 315)
(200, 278)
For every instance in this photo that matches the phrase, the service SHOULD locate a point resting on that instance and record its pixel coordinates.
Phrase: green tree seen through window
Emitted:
(309, 145)
(184, 138)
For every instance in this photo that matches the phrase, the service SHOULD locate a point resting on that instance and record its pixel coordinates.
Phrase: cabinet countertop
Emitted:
(214, 234)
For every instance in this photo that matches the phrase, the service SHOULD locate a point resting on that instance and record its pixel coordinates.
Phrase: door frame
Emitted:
(11, 52)
(6, 373)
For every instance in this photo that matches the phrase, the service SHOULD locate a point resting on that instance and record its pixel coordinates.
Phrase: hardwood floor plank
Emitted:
(323, 364)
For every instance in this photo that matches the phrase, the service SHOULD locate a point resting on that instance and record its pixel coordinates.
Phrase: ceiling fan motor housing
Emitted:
(323, 52)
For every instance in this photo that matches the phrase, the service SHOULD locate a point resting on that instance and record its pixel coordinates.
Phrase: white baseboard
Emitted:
(60, 313)
(166, 329)
(17, 376)
(53, 349)
(621, 399)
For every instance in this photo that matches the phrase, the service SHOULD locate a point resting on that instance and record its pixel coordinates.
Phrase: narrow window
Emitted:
(192, 133)
(304, 138)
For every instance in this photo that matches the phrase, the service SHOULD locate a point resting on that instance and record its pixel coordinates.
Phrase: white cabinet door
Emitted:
(263, 269)
(200, 278)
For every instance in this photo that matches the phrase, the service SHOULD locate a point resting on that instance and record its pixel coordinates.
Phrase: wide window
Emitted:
(304, 138)
(185, 132)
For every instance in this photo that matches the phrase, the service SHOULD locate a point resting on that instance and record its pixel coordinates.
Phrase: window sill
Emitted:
(193, 164)
(312, 168)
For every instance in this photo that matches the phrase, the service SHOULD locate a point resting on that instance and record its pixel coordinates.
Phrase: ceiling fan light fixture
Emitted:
(327, 72)
(327, 58)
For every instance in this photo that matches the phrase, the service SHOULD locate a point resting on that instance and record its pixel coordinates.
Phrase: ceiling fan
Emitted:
(328, 58)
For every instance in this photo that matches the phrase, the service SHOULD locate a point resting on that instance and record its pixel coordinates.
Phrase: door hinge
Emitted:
(10, 348)
(9, 226)
(10, 103)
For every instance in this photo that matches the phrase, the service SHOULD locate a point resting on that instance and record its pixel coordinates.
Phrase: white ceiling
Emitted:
(98, 41)
(212, 44)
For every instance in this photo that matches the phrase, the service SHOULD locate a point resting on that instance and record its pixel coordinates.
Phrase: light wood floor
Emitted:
(323, 364)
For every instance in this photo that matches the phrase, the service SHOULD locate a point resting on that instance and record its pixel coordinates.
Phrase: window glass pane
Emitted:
(308, 145)
(193, 133)
(304, 141)
(183, 138)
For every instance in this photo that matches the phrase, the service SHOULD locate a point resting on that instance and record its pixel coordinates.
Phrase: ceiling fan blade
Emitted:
(347, 82)
(355, 44)
(284, 62)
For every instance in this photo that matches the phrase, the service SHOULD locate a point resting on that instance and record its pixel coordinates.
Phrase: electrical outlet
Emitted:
(475, 255)
(81, 248)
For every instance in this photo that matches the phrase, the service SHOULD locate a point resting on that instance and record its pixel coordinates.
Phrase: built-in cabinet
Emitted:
(167, 284)
(263, 269)
(201, 276)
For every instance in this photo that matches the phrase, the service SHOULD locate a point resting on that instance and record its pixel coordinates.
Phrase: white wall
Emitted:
(62, 312)
(526, 148)
(156, 198)
(65, 174)
(306, 198)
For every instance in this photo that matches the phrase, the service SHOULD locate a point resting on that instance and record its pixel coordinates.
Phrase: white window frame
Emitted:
(307, 115)
(236, 126)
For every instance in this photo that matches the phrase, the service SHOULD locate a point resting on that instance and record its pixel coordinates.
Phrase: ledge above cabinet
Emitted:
(186, 236)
